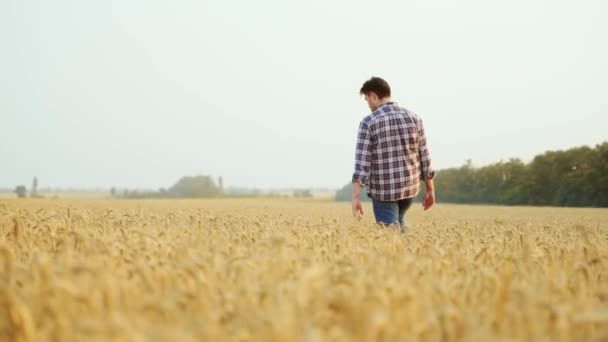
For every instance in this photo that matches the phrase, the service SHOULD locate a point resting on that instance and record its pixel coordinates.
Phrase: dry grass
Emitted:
(288, 270)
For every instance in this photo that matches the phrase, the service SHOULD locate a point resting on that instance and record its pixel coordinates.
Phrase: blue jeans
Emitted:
(392, 213)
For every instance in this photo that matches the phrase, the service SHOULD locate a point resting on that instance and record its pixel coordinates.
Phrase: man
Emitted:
(391, 158)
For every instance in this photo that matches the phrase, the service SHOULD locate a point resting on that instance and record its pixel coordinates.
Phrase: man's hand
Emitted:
(429, 197)
(429, 200)
(357, 208)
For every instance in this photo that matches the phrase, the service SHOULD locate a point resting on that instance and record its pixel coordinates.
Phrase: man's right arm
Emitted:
(363, 155)
(429, 197)
(362, 165)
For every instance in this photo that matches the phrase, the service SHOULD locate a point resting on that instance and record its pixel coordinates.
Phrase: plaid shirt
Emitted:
(392, 156)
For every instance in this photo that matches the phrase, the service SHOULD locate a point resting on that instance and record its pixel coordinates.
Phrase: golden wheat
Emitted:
(292, 270)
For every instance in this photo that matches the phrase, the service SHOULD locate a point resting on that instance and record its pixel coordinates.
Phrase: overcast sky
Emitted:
(265, 93)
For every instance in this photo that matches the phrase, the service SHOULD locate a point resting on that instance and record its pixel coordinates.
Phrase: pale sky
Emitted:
(265, 93)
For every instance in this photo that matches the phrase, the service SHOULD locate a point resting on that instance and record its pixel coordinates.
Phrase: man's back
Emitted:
(392, 148)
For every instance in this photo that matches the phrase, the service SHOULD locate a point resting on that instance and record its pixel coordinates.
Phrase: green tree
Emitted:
(514, 188)
(488, 182)
(195, 187)
(598, 175)
(21, 191)
(457, 185)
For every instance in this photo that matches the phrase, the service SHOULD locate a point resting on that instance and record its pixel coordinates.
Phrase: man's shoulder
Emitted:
(374, 116)
(369, 119)
(408, 113)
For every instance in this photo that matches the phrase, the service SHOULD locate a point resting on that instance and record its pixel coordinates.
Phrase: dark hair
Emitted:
(377, 86)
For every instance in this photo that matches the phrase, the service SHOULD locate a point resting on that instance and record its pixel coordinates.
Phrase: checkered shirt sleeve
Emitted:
(426, 171)
(363, 155)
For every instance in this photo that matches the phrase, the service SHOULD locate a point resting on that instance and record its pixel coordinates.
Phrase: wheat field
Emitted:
(298, 270)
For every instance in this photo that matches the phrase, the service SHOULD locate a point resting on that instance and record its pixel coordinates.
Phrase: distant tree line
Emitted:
(186, 187)
(574, 177)
(302, 193)
(201, 186)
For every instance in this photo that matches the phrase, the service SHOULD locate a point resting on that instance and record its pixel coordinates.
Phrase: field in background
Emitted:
(298, 270)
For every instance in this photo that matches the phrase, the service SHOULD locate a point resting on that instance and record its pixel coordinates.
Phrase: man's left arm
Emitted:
(426, 171)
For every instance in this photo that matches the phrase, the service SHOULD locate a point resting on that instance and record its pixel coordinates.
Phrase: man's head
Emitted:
(376, 92)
